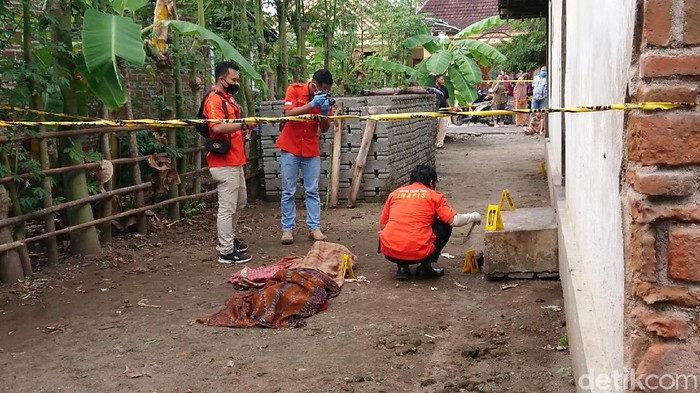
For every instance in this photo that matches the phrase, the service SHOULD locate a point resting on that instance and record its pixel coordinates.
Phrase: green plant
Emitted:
(563, 342)
(566, 374)
(454, 58)
(525, 51)
(193, 207)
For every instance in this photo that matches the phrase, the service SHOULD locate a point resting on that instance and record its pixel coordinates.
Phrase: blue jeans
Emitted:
(539, 103)
(310, 171)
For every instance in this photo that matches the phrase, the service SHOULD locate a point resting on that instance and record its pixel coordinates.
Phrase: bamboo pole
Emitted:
(15, 244)
(67, 205)
(16, 210)
(139, 199)
(335, 158)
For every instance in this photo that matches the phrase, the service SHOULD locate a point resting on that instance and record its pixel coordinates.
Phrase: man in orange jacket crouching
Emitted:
(416, 224)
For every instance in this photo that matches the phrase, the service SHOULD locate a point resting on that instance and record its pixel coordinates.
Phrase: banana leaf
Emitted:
(224, 47)
(467, 67)
(483, 49)
(386, 65)
(438, 62)
(480, 26)
(467, 92)
(106, 37)
(417, 40)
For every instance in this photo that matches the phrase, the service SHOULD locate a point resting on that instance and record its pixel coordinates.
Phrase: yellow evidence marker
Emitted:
(470, 265)
(505, 197)
(493, 218)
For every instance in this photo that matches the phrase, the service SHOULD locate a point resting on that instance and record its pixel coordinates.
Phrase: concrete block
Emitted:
(527, 243)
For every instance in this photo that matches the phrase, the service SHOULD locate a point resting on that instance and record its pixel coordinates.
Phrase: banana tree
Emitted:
(455, 58)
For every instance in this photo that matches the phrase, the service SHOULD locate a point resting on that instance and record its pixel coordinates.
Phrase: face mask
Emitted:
(231, 88)
(543, 74)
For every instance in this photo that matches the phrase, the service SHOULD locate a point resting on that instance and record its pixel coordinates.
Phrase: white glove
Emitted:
(464, 219)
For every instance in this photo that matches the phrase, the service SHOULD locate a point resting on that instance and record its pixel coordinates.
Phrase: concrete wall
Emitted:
(598, 40)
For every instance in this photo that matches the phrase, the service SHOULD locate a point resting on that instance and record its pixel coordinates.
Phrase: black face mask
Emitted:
(231, 88)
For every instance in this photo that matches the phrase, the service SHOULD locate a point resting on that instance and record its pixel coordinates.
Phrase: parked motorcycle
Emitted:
(482, 103)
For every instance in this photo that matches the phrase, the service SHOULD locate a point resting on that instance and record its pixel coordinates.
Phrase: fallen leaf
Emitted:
(508, 286)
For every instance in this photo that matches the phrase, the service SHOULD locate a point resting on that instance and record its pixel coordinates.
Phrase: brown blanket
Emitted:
(286, 299)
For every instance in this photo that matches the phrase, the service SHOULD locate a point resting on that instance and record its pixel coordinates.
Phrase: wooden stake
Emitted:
(335, 158)
(361, 160)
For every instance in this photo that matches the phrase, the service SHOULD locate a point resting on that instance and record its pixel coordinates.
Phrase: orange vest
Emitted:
(408, 217)
(299, 137)
(214, 109)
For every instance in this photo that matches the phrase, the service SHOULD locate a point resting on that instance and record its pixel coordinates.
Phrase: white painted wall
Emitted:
(599, 37)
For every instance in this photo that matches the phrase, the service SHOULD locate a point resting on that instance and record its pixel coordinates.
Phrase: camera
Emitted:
(331, 101)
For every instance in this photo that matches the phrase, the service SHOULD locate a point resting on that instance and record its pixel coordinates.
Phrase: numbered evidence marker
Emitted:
(505, 197)
(346, 266)
(493, 218)
(470, 265)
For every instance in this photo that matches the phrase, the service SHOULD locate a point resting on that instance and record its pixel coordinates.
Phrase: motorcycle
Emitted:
(482, 103)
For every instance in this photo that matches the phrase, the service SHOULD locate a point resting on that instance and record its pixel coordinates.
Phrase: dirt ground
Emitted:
(80, 327)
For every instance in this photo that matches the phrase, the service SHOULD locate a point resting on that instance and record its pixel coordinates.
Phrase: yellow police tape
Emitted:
(143, 123)
(38, 112)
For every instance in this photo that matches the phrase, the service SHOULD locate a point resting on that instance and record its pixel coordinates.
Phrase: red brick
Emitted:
(691, 25)
(636, 345)
(654, 293)
(670, 359)
(670, 64)
(642, 256)
(664, 324)
(643, 212)
(684, 253)
(651, 181)
(657, 21)
(664, 138)
(667, 93)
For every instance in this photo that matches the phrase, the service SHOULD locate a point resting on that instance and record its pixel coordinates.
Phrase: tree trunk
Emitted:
(179, 109)
(139, 199)
(16, 210)
(283, 66)
(84, 241)
(10, 264)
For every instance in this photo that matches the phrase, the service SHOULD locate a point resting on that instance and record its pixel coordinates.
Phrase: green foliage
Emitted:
(193, 207)
(105, 38)
(526, 51)
(456, 59)
(224, 47)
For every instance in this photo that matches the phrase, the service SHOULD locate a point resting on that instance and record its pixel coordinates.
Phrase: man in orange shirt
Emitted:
(416, 224)
(298, 143)
(227, 168)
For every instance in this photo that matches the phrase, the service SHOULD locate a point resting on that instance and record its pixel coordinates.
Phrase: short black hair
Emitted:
(424, 174)
(322, 76)
(222, 68)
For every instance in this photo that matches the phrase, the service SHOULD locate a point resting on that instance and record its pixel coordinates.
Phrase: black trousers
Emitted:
(442, 231)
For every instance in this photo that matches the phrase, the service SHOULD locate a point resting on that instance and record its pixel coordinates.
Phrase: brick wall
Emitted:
(661, 198)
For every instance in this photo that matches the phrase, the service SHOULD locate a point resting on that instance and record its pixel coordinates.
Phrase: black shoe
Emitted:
(423, 273)
(403, 273)
(240, 245)
(235, 257)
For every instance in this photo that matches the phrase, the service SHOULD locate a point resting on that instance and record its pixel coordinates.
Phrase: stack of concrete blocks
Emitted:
(396, 148)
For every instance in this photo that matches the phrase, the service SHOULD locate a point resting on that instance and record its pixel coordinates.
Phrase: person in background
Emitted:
(443, 102)
(539, 93)
(298, 143)
(520, 100)
(227, 168)
(416, 223)
(499, 101)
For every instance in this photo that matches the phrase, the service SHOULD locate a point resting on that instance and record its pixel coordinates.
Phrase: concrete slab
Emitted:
(527, 244)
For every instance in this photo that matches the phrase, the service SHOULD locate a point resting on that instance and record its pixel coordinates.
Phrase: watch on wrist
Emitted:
(244, 126)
